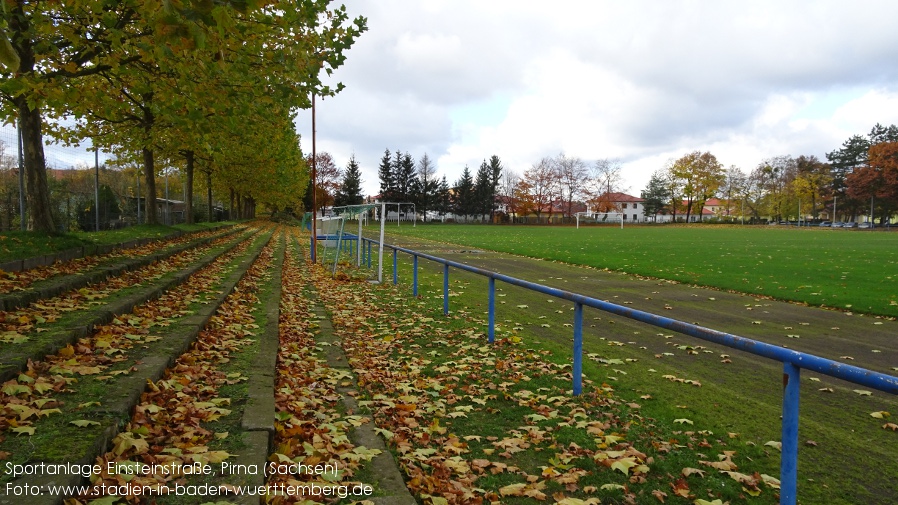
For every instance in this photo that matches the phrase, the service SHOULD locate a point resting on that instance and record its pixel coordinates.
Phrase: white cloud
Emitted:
(641, 81)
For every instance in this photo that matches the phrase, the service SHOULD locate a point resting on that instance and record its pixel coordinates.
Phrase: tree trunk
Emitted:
(149, 170)
(231, 216)
(37, 192)
(188, 198)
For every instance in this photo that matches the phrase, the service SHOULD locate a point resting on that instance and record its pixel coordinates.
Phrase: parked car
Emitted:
(865, 226)
(849, 225)
(825, 224)
(838, 224)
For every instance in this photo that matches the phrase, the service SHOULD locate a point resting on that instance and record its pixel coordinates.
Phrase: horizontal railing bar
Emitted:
(857, 375)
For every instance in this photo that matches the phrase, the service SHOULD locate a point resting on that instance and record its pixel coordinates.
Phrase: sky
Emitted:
(641, 82)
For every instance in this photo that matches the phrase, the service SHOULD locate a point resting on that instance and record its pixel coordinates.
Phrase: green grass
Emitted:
(843, 269)
(28, 244)
(744, 397)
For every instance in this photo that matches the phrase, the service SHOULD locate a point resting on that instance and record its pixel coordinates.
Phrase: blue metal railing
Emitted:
(793, 361)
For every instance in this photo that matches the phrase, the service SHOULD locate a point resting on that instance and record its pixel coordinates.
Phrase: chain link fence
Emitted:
(73, 174)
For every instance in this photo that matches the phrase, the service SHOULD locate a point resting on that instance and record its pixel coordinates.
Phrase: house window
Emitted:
(624, 217)
(634, 217)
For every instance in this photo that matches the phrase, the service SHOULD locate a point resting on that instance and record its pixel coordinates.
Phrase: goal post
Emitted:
(602, 217)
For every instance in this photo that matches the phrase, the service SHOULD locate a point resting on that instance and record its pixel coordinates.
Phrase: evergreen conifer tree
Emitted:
(385, 174)
(350, 192)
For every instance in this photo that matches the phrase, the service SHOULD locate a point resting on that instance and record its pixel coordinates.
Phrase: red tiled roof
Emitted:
(618, 198)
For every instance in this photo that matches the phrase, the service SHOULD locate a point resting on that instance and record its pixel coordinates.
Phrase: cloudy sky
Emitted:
(641, 82)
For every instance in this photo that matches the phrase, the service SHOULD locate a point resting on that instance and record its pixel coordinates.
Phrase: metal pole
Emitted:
(395, 266)
(789, 456)
(21, 177)
(97, 187)
(314, 188)
(359, 243)
(380, 248)
(835, 201)
(578, 349)
(492, 310)
(446, 289)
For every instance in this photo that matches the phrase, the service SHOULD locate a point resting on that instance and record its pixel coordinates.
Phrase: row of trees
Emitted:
(402, 180)
(207, 86)
(859, 175)
(864, 168)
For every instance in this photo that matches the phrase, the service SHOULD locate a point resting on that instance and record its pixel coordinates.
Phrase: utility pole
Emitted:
(314, 188)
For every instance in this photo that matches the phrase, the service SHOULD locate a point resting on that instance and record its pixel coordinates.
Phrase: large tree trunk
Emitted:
(37, 192)
(149, 170)
(188, 198)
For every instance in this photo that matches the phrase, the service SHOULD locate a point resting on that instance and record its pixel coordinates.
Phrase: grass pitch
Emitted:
(845, 269)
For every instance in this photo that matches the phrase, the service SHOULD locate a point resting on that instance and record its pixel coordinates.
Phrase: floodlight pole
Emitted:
(314, 187)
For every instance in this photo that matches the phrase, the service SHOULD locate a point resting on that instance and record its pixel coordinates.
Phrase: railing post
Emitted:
(492, 310)
(369, 254)
(415, 275)
(789, 456)
(395, 269)
(446, 289)
(578, 348)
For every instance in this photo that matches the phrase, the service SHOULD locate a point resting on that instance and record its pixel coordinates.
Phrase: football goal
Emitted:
(601, 218)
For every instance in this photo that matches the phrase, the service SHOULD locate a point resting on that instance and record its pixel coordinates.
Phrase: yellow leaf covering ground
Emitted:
(473, 422)
(108, 347)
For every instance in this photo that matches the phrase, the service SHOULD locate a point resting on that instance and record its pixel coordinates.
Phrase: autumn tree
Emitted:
(852, 155)
(701, 175)
(538, 188)
(877, 182)
(572, 175)
(812, 182)
(732, 189)
(605, 179)
(142, 49)
(327, 180)
(507, 186)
